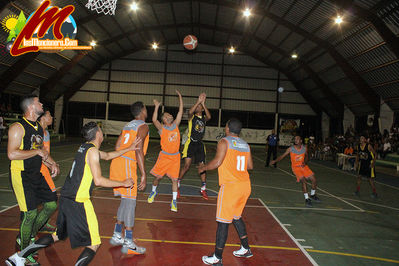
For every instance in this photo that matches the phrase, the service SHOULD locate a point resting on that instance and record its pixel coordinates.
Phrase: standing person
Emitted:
(365, 160)
(2, 128)
(233, 160)
(125, 167)
(76, 217)
(194, 147)
(272, 144)
(169, 158)
(26, 152)
(299, 159)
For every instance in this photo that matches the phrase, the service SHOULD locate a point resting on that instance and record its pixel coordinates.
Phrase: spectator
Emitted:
(349, 151)
(387, 149)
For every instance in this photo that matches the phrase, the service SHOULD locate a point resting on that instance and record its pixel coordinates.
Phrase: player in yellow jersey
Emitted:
(76, 217)
(169, 158)
(299, 159)
(233, 160)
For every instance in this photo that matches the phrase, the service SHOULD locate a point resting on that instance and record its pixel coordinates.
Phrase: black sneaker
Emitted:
(356, 193)
(315, 198)
(308, 203)
(374, 195)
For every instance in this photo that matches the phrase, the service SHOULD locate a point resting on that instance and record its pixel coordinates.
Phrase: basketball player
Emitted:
(169, 158)
(125, 167)
(26, 152)
(194, 148)
(365, 161)
(299, 159)
(233, 160)
(76, 217)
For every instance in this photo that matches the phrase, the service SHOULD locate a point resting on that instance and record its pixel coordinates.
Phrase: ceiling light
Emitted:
(294, 56)
(338, 20)
(93, 43)
(232, 50)
(154, 46)
(247, 12)
(134, 6)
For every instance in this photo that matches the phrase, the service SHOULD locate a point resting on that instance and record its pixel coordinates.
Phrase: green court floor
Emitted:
(342, 230)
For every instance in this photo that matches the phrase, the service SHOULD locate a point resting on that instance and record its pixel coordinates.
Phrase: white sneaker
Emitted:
(129, 247)
(116, 239)
(211, 260)
(243, 253)
(15, 260)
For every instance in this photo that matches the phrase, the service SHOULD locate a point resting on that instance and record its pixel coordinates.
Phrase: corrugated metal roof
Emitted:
(375, 57)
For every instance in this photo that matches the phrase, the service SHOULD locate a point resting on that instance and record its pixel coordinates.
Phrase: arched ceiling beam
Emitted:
(317, 107)
(334, 100)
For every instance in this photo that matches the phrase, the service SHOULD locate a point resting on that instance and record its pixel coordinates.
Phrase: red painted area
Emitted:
(194, 222)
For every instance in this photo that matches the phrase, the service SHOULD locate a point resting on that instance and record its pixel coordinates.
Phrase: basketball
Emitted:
(190, 42)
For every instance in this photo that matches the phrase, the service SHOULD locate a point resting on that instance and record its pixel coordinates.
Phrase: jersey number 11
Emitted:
(241, 163)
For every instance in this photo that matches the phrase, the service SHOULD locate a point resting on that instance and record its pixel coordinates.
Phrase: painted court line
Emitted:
(289, 234)
(315, 209)
(354, 206)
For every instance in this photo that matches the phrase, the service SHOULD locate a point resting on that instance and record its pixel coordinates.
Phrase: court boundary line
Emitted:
(350, 174)
(289, 234)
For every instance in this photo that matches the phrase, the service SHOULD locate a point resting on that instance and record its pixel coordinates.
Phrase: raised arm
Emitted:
(113, 154)
(180, 113)
(157, 124)
(219, 157)
(142, 133)
(281, 157)
(15, 135)
(192, 109)
(93, 157)
(207, 113)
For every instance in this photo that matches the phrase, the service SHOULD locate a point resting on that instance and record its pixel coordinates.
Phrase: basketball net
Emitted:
(102, 6)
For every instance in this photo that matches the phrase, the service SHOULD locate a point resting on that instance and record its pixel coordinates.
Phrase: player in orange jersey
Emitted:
(169, 158)
(125, 167)
(233, 160)
(299, 159)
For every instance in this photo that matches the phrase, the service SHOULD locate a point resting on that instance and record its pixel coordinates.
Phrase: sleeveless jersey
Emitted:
(196, 128)
(170, 139)
(365, 156)
(297, 156)
(234, 166)
(31, 140)
(129, 133)
(79, 183)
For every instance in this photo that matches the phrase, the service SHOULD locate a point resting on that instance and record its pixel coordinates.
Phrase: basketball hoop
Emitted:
(102, 6)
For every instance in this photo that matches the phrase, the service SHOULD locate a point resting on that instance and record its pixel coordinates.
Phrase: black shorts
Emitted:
(194, 150)
(366, 171)
(31, 190)
(78, 221)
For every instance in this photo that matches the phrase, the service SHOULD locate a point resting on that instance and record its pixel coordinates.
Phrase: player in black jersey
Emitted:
(365, 161)
(76, 217)
(25, 150)
(194, 148)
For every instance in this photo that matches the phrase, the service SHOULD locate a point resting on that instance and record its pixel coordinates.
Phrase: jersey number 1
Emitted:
(240, 163)
(127, 136)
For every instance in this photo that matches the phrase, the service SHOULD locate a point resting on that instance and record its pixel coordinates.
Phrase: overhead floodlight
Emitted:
(247, 12)
(154, 46)
(134, 6)
(232, 50)
(338, 20)
(93, 43)
(294, 56)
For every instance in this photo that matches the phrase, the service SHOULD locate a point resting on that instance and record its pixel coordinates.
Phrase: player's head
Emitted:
(46, 118)
(199, 109)
(167, 118)
(91, 131)
(297, 140)
(273, 131)
(31, 103)
(233, 127)
(363, 138)
(138, 109)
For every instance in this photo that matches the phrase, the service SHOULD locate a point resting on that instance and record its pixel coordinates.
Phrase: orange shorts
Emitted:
(121, 169)
(46, 173)
(302, 171)
(232, 198)
(167, 165)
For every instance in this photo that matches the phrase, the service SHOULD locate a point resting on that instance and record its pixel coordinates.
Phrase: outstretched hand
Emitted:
(178, 93)
(128, 183)
(156, 103)
(135, 144)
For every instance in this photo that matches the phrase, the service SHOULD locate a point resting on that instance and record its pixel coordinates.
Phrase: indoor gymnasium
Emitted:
(199, 132)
